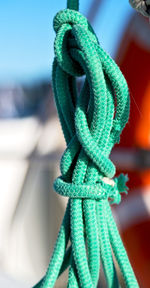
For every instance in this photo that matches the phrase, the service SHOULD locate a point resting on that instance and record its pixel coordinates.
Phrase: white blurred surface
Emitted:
(18, 137)
(8, 282)
(30, 212)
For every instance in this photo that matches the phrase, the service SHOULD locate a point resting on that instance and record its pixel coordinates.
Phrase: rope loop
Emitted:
(63, 24)
(98, 191)
(68, 16)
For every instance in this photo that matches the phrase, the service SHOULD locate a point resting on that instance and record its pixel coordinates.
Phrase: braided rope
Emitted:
(92, 122)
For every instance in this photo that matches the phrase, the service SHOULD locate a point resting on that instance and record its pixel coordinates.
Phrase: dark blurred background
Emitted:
(31, 141)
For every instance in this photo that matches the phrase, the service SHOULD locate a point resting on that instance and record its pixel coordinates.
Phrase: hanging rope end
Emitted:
(121, 187)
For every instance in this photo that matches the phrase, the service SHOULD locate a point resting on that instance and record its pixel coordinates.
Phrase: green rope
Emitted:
(92, 121)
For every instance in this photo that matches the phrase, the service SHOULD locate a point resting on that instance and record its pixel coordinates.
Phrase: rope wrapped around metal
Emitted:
(92, 120)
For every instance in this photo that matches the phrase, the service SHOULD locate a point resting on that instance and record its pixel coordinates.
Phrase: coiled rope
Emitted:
(92, 121)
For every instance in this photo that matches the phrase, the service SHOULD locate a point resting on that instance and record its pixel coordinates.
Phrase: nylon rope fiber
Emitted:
(92, 119)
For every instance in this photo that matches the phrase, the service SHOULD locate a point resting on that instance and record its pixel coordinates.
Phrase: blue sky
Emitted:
(26, 33)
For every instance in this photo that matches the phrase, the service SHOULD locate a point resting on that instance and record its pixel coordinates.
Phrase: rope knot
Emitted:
(65, 41)
(71, 17)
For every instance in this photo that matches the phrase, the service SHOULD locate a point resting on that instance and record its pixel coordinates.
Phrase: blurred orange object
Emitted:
(142, 131)
(134, 60)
